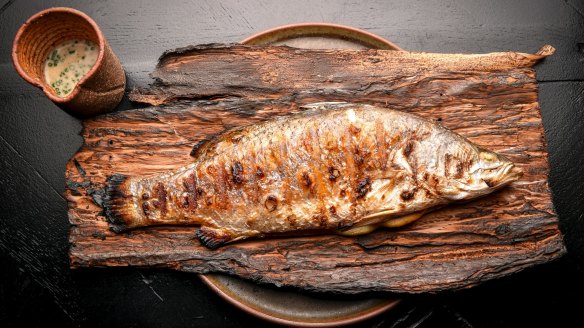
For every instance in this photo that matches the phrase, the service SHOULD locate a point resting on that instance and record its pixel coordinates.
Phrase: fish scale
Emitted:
(333, 168)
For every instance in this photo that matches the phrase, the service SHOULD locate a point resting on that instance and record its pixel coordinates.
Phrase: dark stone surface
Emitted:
(562, 105)
(37, 139)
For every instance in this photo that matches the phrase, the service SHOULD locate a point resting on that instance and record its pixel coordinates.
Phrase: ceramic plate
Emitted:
(286, 306)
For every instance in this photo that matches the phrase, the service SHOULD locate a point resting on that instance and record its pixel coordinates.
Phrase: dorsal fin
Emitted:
(199, 145)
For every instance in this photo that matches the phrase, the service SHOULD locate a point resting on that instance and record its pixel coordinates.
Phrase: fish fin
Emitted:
(378, 216)
(358, 231)
(213, 238)
(234, 135)
(115, 203)
(200, 146)
(379, 219)
(403, 220)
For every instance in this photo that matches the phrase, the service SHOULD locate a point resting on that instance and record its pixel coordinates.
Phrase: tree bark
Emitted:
(200, 91)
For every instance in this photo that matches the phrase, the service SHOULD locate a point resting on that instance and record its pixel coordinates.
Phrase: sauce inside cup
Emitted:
(67, 63)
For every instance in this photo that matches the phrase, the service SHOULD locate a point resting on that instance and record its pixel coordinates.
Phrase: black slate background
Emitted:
(36, 140)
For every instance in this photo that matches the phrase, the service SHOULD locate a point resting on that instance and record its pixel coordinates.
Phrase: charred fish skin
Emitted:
(114, 202)
(333, 167)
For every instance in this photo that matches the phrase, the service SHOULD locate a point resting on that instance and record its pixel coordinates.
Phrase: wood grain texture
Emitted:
(490, 99)
(397, 79)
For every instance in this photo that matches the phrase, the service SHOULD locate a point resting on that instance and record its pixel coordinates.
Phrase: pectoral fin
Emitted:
(213, 238)
(357, 231)
(403, 220)
(391, 223)
(378, 216)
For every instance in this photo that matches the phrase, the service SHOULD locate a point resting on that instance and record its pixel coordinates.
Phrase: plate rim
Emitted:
(372, 38)
(216, 286)
(219, 288)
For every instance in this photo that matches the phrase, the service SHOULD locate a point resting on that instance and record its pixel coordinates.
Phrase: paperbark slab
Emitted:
(200, 91)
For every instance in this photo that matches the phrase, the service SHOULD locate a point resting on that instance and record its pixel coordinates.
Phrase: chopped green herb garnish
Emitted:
(69, 62)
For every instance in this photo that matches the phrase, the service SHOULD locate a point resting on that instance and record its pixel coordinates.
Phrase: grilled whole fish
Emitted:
(347, 168)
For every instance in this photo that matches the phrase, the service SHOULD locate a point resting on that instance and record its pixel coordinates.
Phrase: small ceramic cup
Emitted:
(99, 91)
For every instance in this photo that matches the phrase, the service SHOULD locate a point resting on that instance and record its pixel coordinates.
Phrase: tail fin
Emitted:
(116, 202)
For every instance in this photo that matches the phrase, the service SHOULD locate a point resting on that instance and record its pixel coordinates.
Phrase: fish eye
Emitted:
(488, 157)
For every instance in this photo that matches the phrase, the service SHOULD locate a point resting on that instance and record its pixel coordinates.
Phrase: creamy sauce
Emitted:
(68, 63)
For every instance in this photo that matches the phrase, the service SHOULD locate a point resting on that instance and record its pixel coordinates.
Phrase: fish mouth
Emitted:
(504, 175)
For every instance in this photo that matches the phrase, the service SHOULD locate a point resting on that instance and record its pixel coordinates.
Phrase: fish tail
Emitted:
(116, 202)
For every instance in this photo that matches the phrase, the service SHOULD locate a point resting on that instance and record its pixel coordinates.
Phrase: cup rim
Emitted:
(44, 86)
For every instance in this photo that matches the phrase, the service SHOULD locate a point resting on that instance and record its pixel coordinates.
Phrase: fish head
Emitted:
(496, 170)
(487, 172)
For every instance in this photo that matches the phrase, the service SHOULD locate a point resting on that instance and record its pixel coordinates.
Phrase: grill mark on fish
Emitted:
(381, 144)
(321, 220)
(358, 158)
(345, 144)
(237, 173)
(211, 170)
(363, 187)
(161, 193)
(277, 156)
(190, 184)
(291, 220)
(408, 148)
(236, 139)
(306, 180)
(447, 160)
(146, 209)
(334, 173)
(408, 194)
(255, 175)
(317, 187)
(271, 203)
(222, 185)
(329, 169)
(285, 171)
(333, 209)
(458, 170)
(308, 158)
